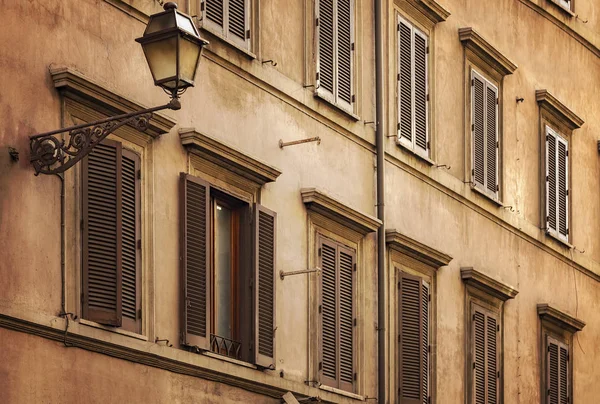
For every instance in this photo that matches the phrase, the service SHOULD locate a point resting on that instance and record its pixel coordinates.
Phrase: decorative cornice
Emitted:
(486, 284)
(416, 249)
(74, 85)
(433, 10)
(559, 318)
(145, 356)
(317, 201)
(558, 109)
(228, 157)
(482, 48)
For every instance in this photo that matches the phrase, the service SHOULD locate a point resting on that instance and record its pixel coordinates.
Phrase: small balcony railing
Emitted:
(225, 346)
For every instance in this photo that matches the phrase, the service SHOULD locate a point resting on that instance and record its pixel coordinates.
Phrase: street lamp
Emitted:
(172, 48)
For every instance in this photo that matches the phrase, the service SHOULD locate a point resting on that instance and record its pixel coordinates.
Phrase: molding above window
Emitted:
(482, 48)
(227, 157)
(486, 284)
(317, 201)
(559, 318)
(559, 110)
(432, 9)
(415, 249)
(76, 86)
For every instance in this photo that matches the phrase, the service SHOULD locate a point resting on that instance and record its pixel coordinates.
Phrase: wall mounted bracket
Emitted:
(304, 271)
(283, 144)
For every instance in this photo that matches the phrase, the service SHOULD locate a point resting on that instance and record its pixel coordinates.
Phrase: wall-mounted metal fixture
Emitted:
(166, 341)
(271, 61)
(446, 166)
(520, 99)
(14, 154)
(172, 47)
(283, 144)
(304, 271)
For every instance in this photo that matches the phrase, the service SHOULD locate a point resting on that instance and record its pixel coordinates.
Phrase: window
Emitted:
(413, 90)
(413, 339)
(557, 185)
(484, 128)
(111, 242)
(565, 4)
(335, 52)
(230, 19)
(336, 307)
(485, 304)
(557, 333)
(228, 245)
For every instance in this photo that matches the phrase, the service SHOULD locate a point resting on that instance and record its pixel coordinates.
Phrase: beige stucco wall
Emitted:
(251, 106)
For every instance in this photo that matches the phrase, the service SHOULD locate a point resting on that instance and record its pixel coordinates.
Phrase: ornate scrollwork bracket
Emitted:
(52, 155)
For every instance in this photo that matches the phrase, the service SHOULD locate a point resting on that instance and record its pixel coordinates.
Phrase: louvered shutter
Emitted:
(325, 50)
(346, 320)
(195, 246)
(563, 187)
(405, 79)
(557, 185)
(214, 14)
(491, 139)
(328, 303)
(131, 235)
(101, 238)
(478, 128)
(344, 45)
(239, 22)
(551, 217)
(264, 302)
(485, 355)
(413, 340)
(557, 372)
(336, 298)
(420, 92)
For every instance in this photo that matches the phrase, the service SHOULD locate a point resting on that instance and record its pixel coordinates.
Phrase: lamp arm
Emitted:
(51, 155)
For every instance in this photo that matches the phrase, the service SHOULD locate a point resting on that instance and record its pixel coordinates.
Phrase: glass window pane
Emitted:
(223, 281)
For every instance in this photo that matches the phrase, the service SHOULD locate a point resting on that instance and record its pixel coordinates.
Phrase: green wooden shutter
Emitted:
(195, 262)
(101, 238)
(264, 301)
(131, 241)
(551, 219)
(425, 302)
(562, 172)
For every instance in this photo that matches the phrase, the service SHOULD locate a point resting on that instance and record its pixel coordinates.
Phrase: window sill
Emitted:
(342, 392)
(350, 114)
(113, 329)
(227, 42)
(555, 237)
(482, 192)
(563, 9)
(228, 359)
(423, 158)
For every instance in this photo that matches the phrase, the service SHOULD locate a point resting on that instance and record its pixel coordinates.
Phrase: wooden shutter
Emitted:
(325, 49)
(491, 139)
(557, 372)
(485, 355)
(101, 238)
(420, 92)
(264, 302)
(405, 79)
(413, 339)
(551, 219)
(238, 16)
(336, 306)
(562, 173)
(214, 14)
(478, 128)
(344, 45)
(195, 265)
(131, 241)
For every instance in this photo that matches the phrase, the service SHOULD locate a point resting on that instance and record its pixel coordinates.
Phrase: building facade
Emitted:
(206, 259)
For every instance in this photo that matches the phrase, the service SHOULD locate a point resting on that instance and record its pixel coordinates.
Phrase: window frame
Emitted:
(222, 32)
(333, 97)
(400, 140)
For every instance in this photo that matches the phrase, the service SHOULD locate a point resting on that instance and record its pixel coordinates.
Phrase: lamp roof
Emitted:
(172, 20)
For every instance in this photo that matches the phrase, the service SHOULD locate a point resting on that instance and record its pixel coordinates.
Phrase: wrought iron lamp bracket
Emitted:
(52, 155)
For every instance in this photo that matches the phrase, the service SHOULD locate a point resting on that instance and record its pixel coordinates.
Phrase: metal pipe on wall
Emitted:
(379, 135)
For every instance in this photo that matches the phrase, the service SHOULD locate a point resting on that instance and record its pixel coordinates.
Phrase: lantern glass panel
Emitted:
(162, 60)
(189, 53)
(184, 23)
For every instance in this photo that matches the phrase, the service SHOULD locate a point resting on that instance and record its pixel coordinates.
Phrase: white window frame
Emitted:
(476, 185)
(559, 139)
(402, 140)
(333, 98)
(223, 31)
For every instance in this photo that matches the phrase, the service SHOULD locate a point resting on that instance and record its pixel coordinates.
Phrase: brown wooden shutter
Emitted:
(563, 188)
(485, 356)
(327, 308)
(131, 236)
(101, 238)
(420, 85)
(405, 82)
(195, 245)
(425, 299)
(344, 50)
(551, 219)
(410, 352)
(325, 36)
(214, 11)
(264, 301)
(346, 258)
(491, 138)
(478, 128)
(557, 372)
